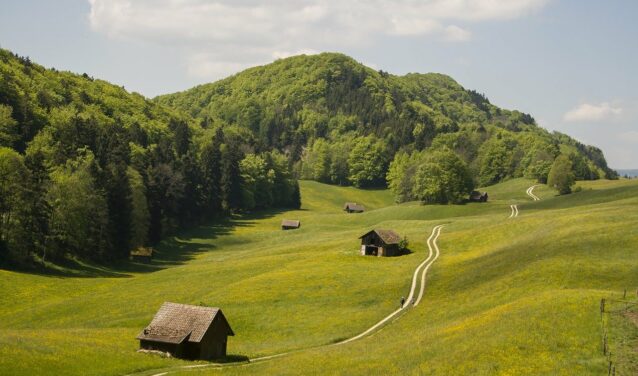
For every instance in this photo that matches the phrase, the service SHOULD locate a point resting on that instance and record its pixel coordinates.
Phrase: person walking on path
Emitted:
(402, 301)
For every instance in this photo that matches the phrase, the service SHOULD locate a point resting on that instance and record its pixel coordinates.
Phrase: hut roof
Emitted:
(387, 236)
(353, 206)
(142, 251)
(174, 323)
(290, 223)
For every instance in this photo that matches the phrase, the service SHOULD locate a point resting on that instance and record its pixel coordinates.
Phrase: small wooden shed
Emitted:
(380, 243)
(289, 224)
(477, 196)
(353, 207)
(142, 254)
(187, 331)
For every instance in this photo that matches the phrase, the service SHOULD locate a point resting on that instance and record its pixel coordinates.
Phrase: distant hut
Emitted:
(289, 224)
(187, 331)
(353, 207)
(477, 196)
(380, 243)
(142, 254)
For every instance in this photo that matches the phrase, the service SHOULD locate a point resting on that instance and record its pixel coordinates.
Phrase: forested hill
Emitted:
(342, 122)
(88, 170)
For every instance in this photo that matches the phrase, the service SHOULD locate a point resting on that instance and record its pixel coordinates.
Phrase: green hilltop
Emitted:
(331, 113)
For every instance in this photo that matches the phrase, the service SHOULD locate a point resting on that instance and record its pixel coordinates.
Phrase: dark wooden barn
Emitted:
(353, 207)
(142, 254)
(289, 224)
(187, 331)
(380, 243)
(477, 196)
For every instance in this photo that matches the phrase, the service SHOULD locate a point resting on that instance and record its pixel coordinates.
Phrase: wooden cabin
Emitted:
(187, 331)
(142, 254)
(289, 224)
(353, 207)
(477, 196)
(380, 243)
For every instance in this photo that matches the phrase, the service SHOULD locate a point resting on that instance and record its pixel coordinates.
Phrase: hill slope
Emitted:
(507, 296)
(302, 100)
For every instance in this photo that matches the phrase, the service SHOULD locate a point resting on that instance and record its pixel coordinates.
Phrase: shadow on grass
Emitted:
(233, 358)
(172, 251)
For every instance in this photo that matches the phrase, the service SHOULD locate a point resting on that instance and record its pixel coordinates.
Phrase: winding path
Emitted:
(531, 194)
(423, 269)
(420, 271)
(514, 211)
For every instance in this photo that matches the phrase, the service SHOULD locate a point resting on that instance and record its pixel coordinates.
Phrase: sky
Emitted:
(571, 64)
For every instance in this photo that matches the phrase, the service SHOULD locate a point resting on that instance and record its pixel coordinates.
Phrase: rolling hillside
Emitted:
(507, 296)
(328, 103)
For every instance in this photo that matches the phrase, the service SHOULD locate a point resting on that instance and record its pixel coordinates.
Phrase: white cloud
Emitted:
(232, 34)
(592, 113)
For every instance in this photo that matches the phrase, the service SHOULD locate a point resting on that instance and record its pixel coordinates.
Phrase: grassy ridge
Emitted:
(507, 296)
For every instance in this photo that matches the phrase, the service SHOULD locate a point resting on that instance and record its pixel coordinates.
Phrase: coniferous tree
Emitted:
(140, 215)
(37, 207)
(113, 179)
(9, 132)
(12, 188)
(181, 136)
(231, 190)
(189, 209)
(295, 198)
(211, 174)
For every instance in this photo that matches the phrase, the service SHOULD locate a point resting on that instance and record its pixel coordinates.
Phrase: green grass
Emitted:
(620, 328)
(507, 296)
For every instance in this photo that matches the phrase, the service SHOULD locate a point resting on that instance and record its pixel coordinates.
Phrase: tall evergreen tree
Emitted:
(181, 136)
(113, 179)
(231, 192)
(211, 174)
(295, 200)
(189, 209)
(38, 209)
(140, 215)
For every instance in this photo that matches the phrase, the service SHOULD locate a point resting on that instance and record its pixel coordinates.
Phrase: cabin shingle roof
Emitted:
(387, 236)
(290, 223)
(353, 206)
(174, 323)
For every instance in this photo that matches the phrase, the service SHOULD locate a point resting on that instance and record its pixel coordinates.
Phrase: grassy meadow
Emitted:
(506, 297)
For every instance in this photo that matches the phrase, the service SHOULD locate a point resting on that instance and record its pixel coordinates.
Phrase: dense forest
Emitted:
(343, 123)
(90, 171)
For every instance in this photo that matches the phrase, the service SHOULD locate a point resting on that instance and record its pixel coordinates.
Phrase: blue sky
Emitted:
(571, 64)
